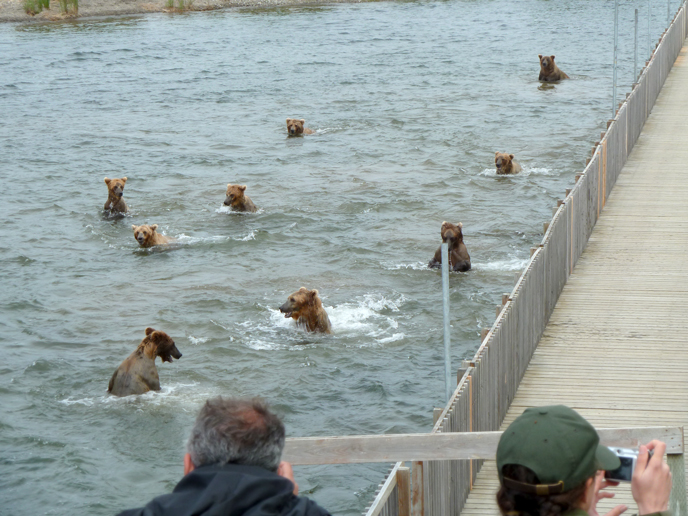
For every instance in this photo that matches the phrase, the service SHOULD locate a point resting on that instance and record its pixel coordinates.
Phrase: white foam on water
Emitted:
(197, 340)
(513, 264)
(188, 240)
(525, 172)
(171, 394)
(416, 266)
(227, 210)
(250, 236)
(537, 171)
(362, 318)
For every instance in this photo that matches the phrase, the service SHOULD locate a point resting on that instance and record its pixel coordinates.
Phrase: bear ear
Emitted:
(124, 179)
(497, 153)
(154, 227)
(540, 56)
(552, 57)
(288, 120)
(303, 121)
(313, 293)
(460, 224)
(133, 226)
(107, 181)
(229, 185)
(149, 331)
(242, 188)
(511, 156)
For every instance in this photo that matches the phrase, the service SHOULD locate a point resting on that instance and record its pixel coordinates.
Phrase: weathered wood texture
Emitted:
(614, 347)
(356, 449)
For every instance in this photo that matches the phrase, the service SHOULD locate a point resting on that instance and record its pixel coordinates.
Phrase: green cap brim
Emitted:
(606, 459)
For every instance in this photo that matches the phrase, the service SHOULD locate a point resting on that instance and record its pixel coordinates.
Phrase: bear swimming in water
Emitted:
(459, 260)
(305, 307)
(138, 374)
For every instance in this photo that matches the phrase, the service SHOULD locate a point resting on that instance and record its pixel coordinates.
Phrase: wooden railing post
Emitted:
(418, 493)
(404, 491)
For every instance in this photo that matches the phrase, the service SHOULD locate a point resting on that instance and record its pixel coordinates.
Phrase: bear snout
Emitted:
(286, 309)
(228, 200)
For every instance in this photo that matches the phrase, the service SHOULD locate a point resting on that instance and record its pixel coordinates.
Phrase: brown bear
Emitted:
(146, 236)
(236, 199)
(305, 307)
(459, 260)
(549, 71)
(295, 127)
(505, 164)
(137, 374)
(115, 203)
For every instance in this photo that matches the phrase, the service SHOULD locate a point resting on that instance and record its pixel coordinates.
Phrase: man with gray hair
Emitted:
(232, 467)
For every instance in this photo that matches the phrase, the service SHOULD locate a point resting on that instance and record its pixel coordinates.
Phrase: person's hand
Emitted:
(598, 493)
(651, 482)
(284, 470)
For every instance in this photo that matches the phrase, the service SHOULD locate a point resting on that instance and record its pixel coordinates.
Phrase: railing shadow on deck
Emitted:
(489, 381)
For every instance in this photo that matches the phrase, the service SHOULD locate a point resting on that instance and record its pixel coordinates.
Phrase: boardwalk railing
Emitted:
(489, 381)
(466, 447)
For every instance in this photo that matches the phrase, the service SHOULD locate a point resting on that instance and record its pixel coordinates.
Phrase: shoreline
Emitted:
(12, 11)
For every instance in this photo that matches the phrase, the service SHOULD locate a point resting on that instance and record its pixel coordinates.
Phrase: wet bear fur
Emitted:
(237, 200)
(115, 203)
(146, 235)
(459, 260)
(505, 164)
(549, 71)
(295, 127)
(305, 307)
(138, 374)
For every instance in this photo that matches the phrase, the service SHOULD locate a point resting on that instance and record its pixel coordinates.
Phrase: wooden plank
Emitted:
(443, 446)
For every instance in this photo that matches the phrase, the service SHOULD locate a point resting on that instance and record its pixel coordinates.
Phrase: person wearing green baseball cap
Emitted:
(550, 463)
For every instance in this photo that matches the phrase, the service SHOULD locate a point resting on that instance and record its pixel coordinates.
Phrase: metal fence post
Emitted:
(445, 301)
(635, 51)
(616, 46)
(649, 33)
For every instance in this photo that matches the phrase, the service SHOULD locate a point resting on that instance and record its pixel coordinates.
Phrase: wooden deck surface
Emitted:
(616, 346)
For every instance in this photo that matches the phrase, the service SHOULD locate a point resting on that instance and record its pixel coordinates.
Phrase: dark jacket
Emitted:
(230, 490)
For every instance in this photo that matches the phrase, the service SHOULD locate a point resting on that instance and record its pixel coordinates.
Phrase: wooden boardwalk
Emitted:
(616, 346)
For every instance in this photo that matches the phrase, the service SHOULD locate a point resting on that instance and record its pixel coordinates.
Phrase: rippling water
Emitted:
(409, 101)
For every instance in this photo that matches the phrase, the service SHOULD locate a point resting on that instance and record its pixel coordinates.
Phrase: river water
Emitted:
(409, 102)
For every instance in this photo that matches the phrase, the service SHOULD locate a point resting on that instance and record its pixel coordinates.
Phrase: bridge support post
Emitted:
(445, 302)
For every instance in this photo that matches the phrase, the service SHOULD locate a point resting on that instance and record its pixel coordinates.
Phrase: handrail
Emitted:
(356, 449)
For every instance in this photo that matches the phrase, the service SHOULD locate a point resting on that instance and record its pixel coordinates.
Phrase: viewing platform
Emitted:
(615, 347)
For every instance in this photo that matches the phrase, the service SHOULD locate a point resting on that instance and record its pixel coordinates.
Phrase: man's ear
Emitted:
(188, 464)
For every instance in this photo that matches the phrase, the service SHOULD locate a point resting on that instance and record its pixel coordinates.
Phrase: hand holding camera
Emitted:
(651, 481)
